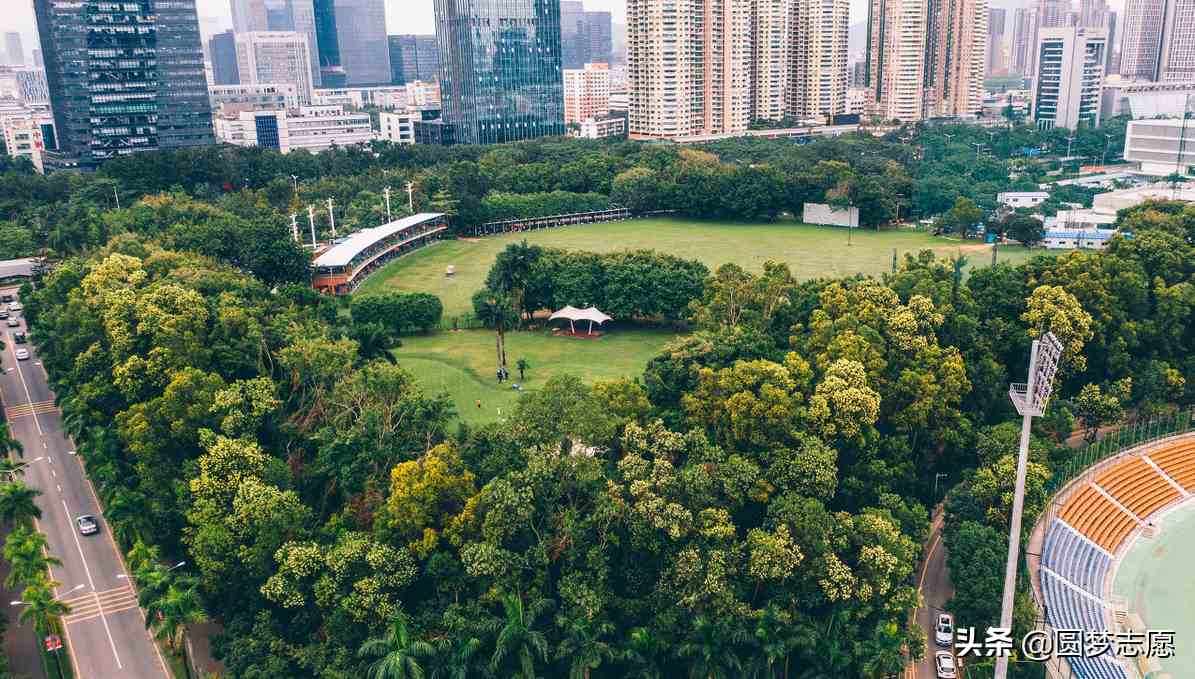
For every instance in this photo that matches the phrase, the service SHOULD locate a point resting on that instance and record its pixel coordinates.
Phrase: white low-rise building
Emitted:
(1019, 199)
(399, 127)
(314, 128)
(600, 128)
(24, 137)
(1161, 147)
(1065, 238)
(264, 96)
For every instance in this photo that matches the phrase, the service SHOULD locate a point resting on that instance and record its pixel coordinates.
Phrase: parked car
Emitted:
(19, 337)
(4, 313)
(6, 298)
(944, 630)
(89, 526)
(15, 306)
(22, 354)
(944, 663)
(13, 323)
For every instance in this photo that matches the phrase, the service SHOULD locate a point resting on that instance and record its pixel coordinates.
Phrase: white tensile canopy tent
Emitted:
(572, 314)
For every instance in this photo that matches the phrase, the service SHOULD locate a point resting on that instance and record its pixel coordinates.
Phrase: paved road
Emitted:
(934, 585)
(105, 629)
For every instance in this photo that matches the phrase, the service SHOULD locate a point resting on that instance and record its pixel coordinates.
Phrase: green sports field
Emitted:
(1155, 579)
(463, 363)
(811, 252)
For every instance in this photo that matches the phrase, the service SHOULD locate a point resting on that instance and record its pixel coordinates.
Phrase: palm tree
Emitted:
(396, 652)
(458, 657)
(125, 511)
(171, 613)
(642, 654)
(41, 608)
(824, 655)
(10, 469)
(8, 443)
(373, 341)
(775, 638)
(713, 650)
(883, 654)
(517, 637)
(17, 503)
(25, 551)
(583, 645)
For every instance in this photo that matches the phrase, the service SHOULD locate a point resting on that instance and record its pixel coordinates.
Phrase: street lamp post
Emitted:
(940, 475)
(331, 219)
(1107, 143)
(1030, 400)
(311, 222)
(411, 197)
(21, 467)
(386, 193)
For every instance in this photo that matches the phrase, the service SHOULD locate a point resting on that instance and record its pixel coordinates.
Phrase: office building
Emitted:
(412, 58)
(38, 62)
(222, 48)
(1053, 13)
(123, 77)
(996, 20)
(275, 57)
(585, 37)
(32, 88)
(1161, 147)
(1070, 76)
(501, 78)
(586, 93)
(353, 45)
(1158, 40)
(23, 137)
(926, 60)
(1139, 99)
(12, 46)
(1024, 36)
(262, 16)
(265, 96)
(312, 128)
(398, 127)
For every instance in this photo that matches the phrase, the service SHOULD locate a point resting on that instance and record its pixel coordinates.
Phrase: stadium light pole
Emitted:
(1030, 400)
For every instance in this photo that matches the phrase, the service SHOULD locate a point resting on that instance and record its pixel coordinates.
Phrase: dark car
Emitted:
(4, 314)
(6, 298)
(19, 337)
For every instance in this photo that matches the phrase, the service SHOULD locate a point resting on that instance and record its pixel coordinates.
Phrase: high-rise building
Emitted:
(123, 77)
(12, 45)
(1024, 32)
(926, 60)
(819, 59)
(32, 89)
(501, 78)
(222, 47)
(1158, 40)
(996, 20)
(184, 114)
(586, 93)
(260, 16)
(1053, 13)
(1176, 59)
(1112, 66)
(585, 37)
(1070, 77)
(267, 57)
(353, 46)
(412, 58)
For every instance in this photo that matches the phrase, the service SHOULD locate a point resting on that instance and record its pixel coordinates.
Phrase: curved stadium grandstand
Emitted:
(1116, 547)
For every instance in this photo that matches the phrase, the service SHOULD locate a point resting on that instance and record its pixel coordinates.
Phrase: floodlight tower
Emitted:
(1030, 400)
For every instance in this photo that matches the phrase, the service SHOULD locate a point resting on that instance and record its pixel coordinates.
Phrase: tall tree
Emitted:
(396, 654)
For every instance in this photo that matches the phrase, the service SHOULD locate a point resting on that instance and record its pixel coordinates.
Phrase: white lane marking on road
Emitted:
(103, 618)
(59, 488)
(53, 473)
(28, 396)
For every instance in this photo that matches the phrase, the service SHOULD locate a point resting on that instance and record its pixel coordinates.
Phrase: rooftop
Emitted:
(344, 252)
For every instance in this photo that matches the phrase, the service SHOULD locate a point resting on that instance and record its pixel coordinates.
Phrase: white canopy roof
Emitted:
(574, 314)
(343, 253)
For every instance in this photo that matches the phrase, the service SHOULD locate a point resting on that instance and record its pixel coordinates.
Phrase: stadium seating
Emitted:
(1093, 515)
(1138, 486)
(1067, 609)
(1076, 554)
(1070, 555)
(1178, 461)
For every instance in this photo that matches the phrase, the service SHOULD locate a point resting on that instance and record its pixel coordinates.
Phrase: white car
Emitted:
(22, 354)
(15, 306)
(87, 525)
(944, 630)
(944, 664)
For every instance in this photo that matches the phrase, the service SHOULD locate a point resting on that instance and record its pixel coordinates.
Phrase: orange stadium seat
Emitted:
(1178, 461)
(1138, 487)
(1096, 517)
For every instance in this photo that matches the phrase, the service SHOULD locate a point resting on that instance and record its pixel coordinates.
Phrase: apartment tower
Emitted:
(279, 16)
(1070, 77)
(275, 57)
(586, 93)
(820, 59)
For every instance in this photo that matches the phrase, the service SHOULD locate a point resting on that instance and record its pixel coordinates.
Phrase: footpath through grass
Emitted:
(463, 363)
(810, 251)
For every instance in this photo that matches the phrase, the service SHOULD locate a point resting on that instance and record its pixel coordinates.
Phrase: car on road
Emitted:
(19, 337)
(944, 664)
(13, 323)
(944, 630)
(4, 313)
(6, 298)
(15, 306)
(22, 354)
(89, 526)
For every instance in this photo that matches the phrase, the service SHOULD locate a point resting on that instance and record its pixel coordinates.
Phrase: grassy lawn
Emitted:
(811, 252)
(463, 363)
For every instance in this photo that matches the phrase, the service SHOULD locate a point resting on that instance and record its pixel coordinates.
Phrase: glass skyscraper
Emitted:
(353, 49)
(413, 57)
(500, 69)
(123, 77)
